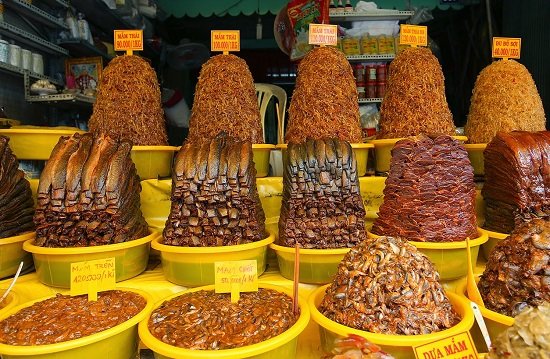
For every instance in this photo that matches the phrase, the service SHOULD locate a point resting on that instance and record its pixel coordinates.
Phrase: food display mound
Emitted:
(225, 101)
(215, 201)
(528, 338)
(430, 192)
(204, 320)
(128, 104)
(16, 203)
(415, 101)
(385, 285)
(324, 102)
(505, 98)
(517, 179)
(322, 205)
(63, 318)
(518, 270)
(88, 194)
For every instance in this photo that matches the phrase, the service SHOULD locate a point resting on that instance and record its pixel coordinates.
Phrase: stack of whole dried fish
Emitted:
(88, 194)
(415, 100)
(16, 204)
(430, 192)
(214, 197)
(322, 206)
(225, 101)
(128, 104)
(385, 285)
(324, 103)
(517, 179)
(518, 270)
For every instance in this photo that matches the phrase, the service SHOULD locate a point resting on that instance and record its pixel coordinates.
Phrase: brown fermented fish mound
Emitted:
(517, 179)
(324, 102)
(517, 274)
(16, 203)
(430, 192)
(88, 194)
(505, 98)
(214, 197)
(322, 205)
(415, 100)
(128, 104)
(225, 101)
(385, 285)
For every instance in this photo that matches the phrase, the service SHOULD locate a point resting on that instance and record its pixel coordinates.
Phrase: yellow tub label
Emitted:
(225, 40)
(90, 277)
(456, 346)
(235, 277)
(506, 47)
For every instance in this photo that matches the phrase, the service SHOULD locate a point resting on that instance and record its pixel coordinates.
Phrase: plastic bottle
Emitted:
(72, 25)
(84, 29)
(259, 29)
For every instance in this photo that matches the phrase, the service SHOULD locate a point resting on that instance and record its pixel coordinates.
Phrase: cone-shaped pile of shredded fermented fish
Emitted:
(505, 98)
(385, 285)
(225, 100)
(415, 100)
(517, 274)
(128, 104)
(16, 203)
(324, 103)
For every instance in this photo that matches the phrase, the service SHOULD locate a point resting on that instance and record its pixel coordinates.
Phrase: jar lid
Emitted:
(4, 41)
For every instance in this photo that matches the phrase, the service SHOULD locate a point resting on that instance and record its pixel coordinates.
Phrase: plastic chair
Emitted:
(265, 92)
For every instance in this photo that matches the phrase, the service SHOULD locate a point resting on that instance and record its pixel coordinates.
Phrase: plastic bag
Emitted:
(302, 13)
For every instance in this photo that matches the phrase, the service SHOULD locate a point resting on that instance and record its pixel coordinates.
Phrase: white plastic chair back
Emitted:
(265, 92)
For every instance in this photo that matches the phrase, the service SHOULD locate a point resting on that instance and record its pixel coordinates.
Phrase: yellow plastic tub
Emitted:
(317, 266)
(153, 161)
(400, 346)
(496, 323)
(194, 266)
(475, 152)
(36, 143)
(260, 153)
(118, 342)
(12, 253)
(382, 151)
(7, 122)
(449, 258)
(53, 265)
(9, 302)
(494, 238)
(282, 346)
(361, 151)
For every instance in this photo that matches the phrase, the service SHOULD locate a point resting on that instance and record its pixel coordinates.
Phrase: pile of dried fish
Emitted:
(225, 101)
(518, 270)
(385, 285)
(205, 320)
(88, 194)
(529, 338)
(214, 197)
(430, 192)
(16, 204)
(517, 179)
(322, 206)
(128, 104)
(505, 98)
(415, 100)
(324, 103)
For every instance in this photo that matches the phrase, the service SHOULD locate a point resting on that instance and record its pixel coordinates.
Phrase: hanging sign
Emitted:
(414, 35)
(235, 277)
(128, 40)
(457, 346)
(90, 277)
(323, 34)
(225, 40)
(507, 47)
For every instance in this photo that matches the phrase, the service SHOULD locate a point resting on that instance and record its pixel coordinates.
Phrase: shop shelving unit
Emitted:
(24, 37)
(36, 14)
(82, 48)
(60, 100)
(17, 71)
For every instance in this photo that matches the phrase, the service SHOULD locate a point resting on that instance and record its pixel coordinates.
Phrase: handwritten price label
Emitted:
(129, 40)
(321, 34)
(225, 40)
(235, 277)
(414, 35)
(456, 346)
(507, 47)
(90, 277)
